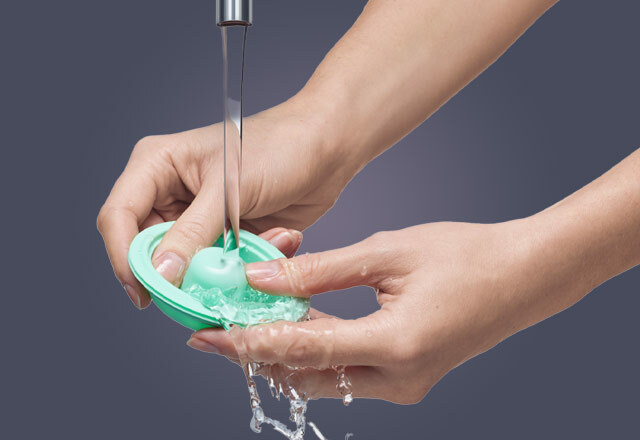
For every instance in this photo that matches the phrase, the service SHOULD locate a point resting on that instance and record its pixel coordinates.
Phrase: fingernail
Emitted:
(263, 270)
(297, 234)
(201, 345)
(170, 265)
(284, 241)
(133, 296)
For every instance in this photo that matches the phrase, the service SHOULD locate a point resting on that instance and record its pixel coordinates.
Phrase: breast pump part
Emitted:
(215, 291)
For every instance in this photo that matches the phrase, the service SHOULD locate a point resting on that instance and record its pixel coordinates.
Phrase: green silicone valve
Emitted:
(214, 292)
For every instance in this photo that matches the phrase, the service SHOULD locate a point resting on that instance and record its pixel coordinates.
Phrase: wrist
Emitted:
(555, 268)
(335, 130)
(538, 273)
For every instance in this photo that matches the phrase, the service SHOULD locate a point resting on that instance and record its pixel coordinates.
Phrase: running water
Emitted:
(281, 380)
(233, 48)
(297, 401)
(233, 44)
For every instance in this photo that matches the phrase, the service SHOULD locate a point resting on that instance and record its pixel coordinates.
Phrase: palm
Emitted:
(274, 192)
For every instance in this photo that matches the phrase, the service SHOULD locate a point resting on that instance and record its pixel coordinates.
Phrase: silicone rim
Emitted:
(253, 249)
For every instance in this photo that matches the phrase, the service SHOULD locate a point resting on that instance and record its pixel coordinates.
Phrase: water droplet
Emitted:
(316, 431)
(344, 386)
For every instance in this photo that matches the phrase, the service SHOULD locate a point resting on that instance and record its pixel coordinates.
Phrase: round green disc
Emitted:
(215, 292)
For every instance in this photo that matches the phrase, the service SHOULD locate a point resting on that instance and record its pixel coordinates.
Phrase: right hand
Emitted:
(447, 292)
(291, 176)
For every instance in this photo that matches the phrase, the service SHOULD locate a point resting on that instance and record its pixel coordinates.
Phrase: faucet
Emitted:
(234, 12)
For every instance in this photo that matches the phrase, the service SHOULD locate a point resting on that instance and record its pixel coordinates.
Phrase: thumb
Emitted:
(308, 274)
(198, 227)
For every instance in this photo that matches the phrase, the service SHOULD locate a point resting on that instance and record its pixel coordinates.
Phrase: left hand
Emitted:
(293, 170)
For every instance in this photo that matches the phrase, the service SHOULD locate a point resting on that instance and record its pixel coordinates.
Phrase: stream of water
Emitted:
(234, 39)
(233, 45)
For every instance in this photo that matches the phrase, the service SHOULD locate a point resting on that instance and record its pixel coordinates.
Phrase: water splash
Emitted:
(281, 380)
(223, 304)
(244, 304)
(297, 406)
(318, 434)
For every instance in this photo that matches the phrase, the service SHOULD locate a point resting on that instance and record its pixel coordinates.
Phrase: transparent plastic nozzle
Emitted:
(234, 12)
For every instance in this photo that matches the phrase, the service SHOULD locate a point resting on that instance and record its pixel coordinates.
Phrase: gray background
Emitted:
(82, 81)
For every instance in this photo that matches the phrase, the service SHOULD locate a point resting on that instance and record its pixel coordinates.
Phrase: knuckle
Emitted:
(100, 221)
(191, 232)
(378, 239)
(301, 352)
(379, 247)
(257, 346)
(388, 253)
(302, 269)
(156, 145)
(106, 212)
(145, 144)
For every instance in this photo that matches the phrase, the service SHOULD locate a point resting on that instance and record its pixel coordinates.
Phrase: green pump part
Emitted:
(214, 291)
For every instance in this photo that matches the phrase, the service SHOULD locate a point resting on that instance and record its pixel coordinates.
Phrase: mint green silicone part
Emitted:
(215, 292)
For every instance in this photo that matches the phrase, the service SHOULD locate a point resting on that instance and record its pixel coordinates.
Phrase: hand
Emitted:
(298, 156)
(447, 292)
(290, 177)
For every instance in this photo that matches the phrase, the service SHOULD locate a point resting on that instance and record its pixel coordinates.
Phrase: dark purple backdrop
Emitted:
(82, 81)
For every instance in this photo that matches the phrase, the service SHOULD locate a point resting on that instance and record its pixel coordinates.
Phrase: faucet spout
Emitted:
(234, 12)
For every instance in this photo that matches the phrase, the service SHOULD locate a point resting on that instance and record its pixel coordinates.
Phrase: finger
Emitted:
(198, 227)
(218, 340)
(126, 207)
(358, 381)
(319, 343)
(305, 275)
(286, 240)
(317, 314)
(153, 219)
(363, 382)
(394, 385)
(213, 340)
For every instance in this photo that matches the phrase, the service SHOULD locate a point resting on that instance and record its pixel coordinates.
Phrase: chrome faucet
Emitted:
(234, 12)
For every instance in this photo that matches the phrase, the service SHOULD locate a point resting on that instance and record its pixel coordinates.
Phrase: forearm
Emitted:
(584, 240)
(402, 60)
